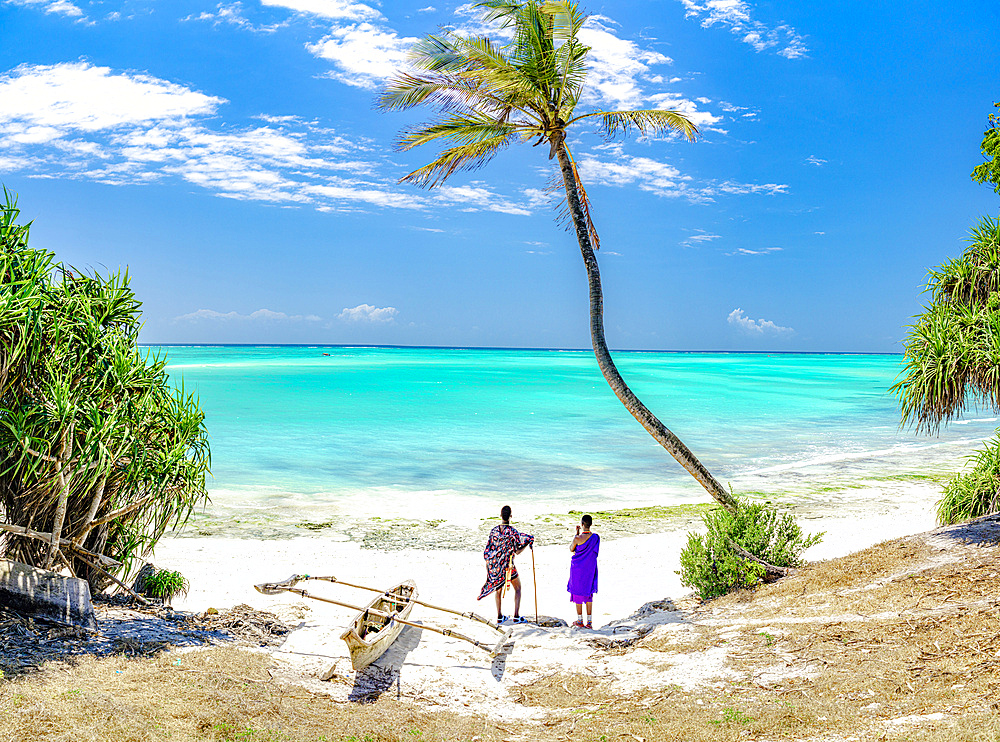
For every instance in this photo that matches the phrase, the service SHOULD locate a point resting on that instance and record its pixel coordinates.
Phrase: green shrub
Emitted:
(710, 565)
(163, 584)
(975, 493)
(98, 446)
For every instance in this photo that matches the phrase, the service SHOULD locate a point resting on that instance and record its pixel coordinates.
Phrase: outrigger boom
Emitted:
(288, 586)
(330, 578)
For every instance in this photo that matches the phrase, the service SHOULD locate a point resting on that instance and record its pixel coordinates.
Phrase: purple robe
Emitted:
(583, 568)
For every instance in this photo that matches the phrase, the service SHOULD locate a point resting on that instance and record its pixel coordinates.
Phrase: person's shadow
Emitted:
(380, 676)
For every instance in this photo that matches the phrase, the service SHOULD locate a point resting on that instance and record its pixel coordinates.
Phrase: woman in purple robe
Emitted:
(583, 571)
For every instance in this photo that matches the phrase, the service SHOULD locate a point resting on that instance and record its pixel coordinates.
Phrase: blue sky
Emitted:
(231, 156)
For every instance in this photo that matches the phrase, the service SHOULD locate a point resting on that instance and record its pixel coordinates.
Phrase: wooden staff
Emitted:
(534, 582)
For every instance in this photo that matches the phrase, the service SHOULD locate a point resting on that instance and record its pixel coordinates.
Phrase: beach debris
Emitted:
(46, 595)
(244, 622)
(548, 622)
(129, 628)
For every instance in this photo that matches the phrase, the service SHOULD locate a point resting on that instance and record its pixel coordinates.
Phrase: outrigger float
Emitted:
(379, 623)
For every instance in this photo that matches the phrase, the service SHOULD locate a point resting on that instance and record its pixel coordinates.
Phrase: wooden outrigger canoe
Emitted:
(376, 627)
(380, 622)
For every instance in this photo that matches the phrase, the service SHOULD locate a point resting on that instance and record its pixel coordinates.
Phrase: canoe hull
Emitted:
(369, 636)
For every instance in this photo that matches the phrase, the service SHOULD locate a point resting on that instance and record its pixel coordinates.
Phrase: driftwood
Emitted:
(771, 569)
(114, 579)
(63, 543)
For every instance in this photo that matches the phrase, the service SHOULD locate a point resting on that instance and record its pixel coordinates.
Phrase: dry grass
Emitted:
(222, 695)
(837, 652)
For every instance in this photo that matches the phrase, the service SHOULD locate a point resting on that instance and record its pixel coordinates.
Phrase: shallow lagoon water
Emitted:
(302, 437)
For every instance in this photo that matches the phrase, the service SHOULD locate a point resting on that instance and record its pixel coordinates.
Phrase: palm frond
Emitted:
(462, 157)
(459, 93)
(647, 121)
(567, 19)
(458, 129)
(437, 53)
(501, 12)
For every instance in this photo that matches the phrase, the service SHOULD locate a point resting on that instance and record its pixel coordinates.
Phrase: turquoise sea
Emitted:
(313, 434)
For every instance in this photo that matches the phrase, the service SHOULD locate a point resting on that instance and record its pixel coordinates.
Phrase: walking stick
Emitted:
(534, 582)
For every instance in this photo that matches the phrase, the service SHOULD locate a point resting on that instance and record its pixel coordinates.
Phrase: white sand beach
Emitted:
(633, 571)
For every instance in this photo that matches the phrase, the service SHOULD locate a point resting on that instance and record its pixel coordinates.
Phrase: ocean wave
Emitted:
(833, 458)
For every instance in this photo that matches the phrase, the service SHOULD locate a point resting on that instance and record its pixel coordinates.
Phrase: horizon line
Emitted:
(509, 347)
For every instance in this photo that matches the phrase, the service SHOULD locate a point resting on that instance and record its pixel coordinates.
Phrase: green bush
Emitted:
(710, 565)
(163, 583)
(976, 493)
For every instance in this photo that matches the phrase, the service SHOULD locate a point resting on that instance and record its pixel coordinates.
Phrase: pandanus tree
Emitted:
(99, 453)
(952, 350)
(952, 363)
(490, 95)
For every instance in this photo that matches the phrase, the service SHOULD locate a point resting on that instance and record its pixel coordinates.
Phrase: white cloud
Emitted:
(477, 196)
(118, 128)
(364, 55)
(617, 65)
(733, 188)
(336, 9)
(758, 327)
(261, 315)
(736, 15)
(56, 7)
(537, 198)
(761, 251)
(671, 102)
(81, 96)
(368, 313)
(428, 9)
(661, 178)
(232, 14)
(813, 160)
(700, 238)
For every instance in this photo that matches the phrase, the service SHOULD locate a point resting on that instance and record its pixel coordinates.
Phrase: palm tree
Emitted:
(527, 90)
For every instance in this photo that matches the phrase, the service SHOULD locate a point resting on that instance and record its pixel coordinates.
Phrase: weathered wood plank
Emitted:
(46, 595)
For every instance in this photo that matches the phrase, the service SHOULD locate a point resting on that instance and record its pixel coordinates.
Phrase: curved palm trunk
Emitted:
(674, 446)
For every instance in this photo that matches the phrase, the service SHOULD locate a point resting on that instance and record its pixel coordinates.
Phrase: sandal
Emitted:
(577, 624)
(502, 619)
(590, 625)
(520, 619)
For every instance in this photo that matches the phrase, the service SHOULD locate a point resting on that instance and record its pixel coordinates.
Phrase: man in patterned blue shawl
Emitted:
(504, 543)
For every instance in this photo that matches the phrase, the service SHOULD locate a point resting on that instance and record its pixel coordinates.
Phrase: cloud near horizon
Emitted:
(368, 313)
(758, 327)
(261, 315)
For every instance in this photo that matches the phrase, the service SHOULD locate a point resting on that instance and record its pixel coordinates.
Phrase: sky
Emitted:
(231, 157)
